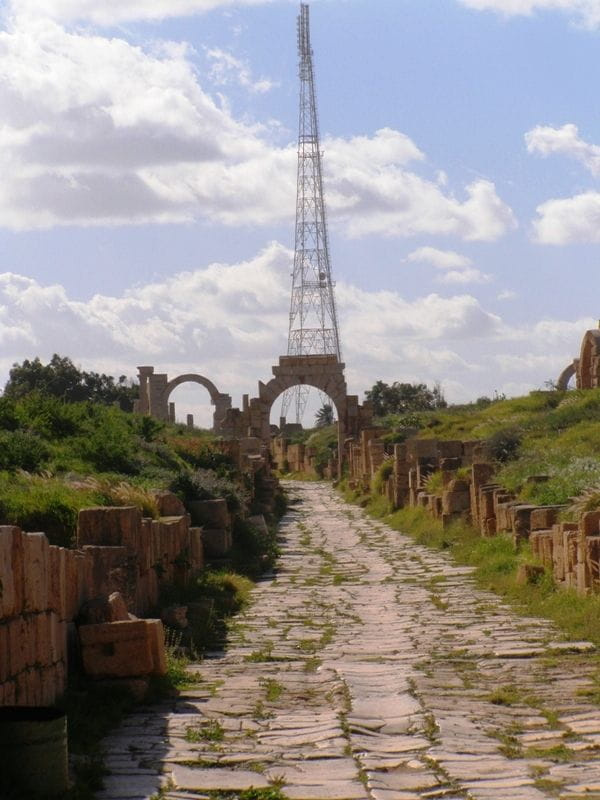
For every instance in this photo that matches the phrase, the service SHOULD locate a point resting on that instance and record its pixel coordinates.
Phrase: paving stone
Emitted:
(401, 684)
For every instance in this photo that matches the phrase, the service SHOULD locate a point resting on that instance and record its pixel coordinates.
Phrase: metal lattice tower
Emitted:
(313, 316)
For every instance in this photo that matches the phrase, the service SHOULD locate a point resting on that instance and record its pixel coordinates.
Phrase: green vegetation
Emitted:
(402, 398)
(548, 433)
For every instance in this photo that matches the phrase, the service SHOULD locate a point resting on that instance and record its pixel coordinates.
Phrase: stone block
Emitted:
(169, 505)
(108, 569)
(529, 574)
(11, 571)
(589, 523)
(482, 473)
(210, 513)
(42, 643)
(118, 611)
(57, 598)
(455, 501)
(156, 635)
(196, 549)
(450, 449)
(4, 653)
(450, 464)
(117, 649)
(521, 521)
(217, 542)
(20, 645)
(108, 526)
(544, 517)
(36, 560)
(490, 527)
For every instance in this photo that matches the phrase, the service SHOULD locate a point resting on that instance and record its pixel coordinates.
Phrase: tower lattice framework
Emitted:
(313, 316)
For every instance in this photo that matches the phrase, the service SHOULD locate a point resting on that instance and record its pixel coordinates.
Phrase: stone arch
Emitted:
(323, 372)
(562, 384)
(588, 372)
(156, 388)
(193, 378)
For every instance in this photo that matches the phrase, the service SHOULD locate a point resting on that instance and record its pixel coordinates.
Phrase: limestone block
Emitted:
(450, 464)
(169, 505)
(521, 521)
(544, 517)
(529, 573)
(450, 449)
(117, 607)
(108, 569)
(11, 571)
(108, 526)
(48, 693)
(20, 644)
(593, 559)
(58, 638)
(589, 524)
(10, 693)
(217, 542)
(482, 473)
(42, 643)
(455, 501)
(490, 527)
(210, 513)
(117, 649)
(36, 560)
(4, 654)
(57, 598)
(196, 549)
(558, 553)
(156, 635)
(486, 500)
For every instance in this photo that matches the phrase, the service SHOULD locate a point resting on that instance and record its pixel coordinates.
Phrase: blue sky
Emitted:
(144, 142)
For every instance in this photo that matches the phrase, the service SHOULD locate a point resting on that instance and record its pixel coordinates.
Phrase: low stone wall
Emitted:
(300, 458)
(43, 588)
(571, 551)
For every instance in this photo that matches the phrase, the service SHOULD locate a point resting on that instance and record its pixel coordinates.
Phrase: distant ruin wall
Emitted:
(570, 551)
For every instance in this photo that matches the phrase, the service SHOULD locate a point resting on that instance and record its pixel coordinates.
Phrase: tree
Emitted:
(324, 416)
(402, 398)
(61, 378)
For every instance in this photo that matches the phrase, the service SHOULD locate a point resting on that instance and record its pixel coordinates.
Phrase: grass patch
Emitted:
(210, 731)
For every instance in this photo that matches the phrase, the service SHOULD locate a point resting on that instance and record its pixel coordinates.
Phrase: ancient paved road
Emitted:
(368, 669)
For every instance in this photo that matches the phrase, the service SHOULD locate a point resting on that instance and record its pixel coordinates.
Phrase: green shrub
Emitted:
(254, 550)
(22, 450)
(204, 484)
(381, 476)
(505, 444)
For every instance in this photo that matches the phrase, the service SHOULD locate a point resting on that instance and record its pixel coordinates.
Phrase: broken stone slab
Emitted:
(123, 649)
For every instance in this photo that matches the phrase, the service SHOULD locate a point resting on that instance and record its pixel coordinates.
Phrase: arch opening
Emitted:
(190, 399)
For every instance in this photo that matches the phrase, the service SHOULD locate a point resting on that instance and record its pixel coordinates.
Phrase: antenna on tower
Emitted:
(313, 316)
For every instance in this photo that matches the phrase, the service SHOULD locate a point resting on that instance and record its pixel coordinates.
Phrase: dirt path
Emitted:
(371, 668)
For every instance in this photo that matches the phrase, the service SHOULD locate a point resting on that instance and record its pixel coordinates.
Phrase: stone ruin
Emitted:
(586, 368)
(571, 551)
(62, 609)
(322, 372)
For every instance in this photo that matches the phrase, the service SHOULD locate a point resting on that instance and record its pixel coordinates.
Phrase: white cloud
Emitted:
(442, 259)
(547, 140)
(506, 294)
(569, 220)
(111, 12)
(229, 322)
(457, 268)
(97, 131)
(227, 69)
(585, 12)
